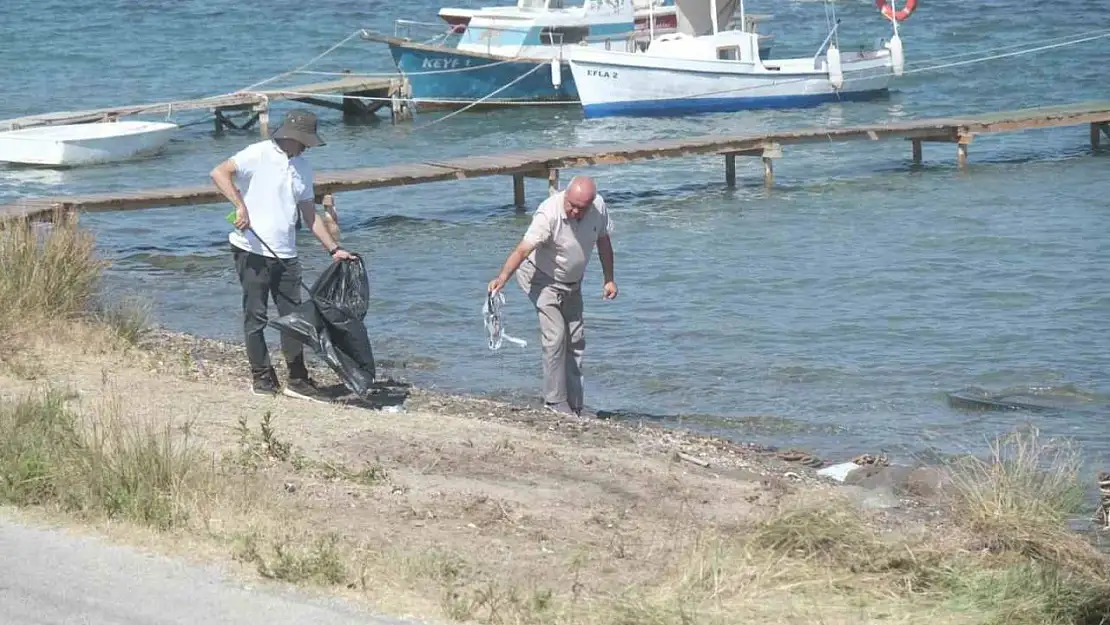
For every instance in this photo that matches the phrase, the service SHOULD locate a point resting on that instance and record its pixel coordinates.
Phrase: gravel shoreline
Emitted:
(209, 358)
(900, 493)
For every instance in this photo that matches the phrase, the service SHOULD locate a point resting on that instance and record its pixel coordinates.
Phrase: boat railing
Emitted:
(629, 43)
(551, 38)
(426, 32)
(821, 48)
(432, 33)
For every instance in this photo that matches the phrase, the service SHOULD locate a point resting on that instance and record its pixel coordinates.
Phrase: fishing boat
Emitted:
(495, 56)
(69, 145)
(722, 71)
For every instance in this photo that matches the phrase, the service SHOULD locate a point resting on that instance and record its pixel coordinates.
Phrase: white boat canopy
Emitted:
(696, 18)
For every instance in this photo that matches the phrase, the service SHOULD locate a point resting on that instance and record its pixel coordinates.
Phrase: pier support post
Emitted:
(552, 181)
(356, 109)
(771, 151)
(1098, 129)
(330, 216)
(916, 151)
(767, 153)
(518, 190)
(398, 100)
(263, 111)
(961, 150)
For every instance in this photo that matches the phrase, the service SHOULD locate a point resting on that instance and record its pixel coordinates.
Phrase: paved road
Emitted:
(49, 577)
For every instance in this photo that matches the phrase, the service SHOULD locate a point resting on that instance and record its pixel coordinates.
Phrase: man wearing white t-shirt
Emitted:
(278, 188)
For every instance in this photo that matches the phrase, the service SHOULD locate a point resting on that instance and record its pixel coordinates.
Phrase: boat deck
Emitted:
(547, 162)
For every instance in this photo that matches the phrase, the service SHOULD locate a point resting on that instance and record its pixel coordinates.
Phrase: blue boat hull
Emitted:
(457, 78)
(447, 78)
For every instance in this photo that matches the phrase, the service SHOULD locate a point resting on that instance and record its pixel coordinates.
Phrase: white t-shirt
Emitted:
(564, 245)
(271, 184)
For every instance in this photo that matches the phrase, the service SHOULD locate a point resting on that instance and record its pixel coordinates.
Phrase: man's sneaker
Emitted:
(302, 388)
(562, 408)
(265, 384)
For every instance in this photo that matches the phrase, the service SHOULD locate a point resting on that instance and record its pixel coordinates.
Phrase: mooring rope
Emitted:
(469, 104)
(169, 105)
(495, 326)
(1036, 42)
(394, 74)
(302, 69)
(367, 98)
(1082, 38)
(484, 98)
(304, 66)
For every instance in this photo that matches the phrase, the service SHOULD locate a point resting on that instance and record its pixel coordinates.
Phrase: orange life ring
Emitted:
(886, 8)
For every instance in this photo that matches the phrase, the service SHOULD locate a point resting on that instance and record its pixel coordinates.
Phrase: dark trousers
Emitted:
(263, 278)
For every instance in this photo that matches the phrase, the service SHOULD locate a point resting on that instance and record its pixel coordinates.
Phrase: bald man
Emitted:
(551, 259)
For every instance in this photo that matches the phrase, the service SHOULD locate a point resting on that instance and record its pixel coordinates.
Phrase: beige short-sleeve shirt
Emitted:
(563, 244)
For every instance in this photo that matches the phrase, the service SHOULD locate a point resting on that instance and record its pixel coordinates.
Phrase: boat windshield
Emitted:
(540, 4)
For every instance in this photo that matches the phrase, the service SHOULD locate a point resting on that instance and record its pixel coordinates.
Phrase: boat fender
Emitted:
(556, 72)
(836, 72)
(886, 7)
(897, 55)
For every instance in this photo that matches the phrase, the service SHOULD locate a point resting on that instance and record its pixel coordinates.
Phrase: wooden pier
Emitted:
(546, 163)
(387, 91)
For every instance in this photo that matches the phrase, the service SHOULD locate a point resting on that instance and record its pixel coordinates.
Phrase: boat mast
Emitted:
(713, 14)
(743, 21)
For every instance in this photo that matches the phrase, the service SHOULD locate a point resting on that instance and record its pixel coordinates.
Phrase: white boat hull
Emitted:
(623, 83)
(84, 144)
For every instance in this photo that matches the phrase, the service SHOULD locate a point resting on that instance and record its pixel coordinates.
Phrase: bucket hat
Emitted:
(300, 126)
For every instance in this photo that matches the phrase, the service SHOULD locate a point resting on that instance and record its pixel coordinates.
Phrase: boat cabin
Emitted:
(713, 31)
(651, 17)
(514, 30)
(727, 45)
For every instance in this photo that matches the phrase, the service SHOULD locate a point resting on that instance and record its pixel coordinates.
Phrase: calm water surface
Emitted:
(840, 305)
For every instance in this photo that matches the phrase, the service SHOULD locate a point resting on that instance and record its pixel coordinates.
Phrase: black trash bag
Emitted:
(342, 298)
(297, 325)
(331, 323)
(346, 287)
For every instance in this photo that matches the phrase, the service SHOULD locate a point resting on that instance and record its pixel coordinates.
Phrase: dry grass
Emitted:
(51, 273)
(105, 465)
(446, 516)
(127, 317)
(1016, 502)
(1023, 488)
(296, 559)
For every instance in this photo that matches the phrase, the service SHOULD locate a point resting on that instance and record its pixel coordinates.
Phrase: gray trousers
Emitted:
(562, 333)
(263, 278)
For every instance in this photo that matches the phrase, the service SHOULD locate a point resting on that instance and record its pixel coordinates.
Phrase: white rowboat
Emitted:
(84, 144)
